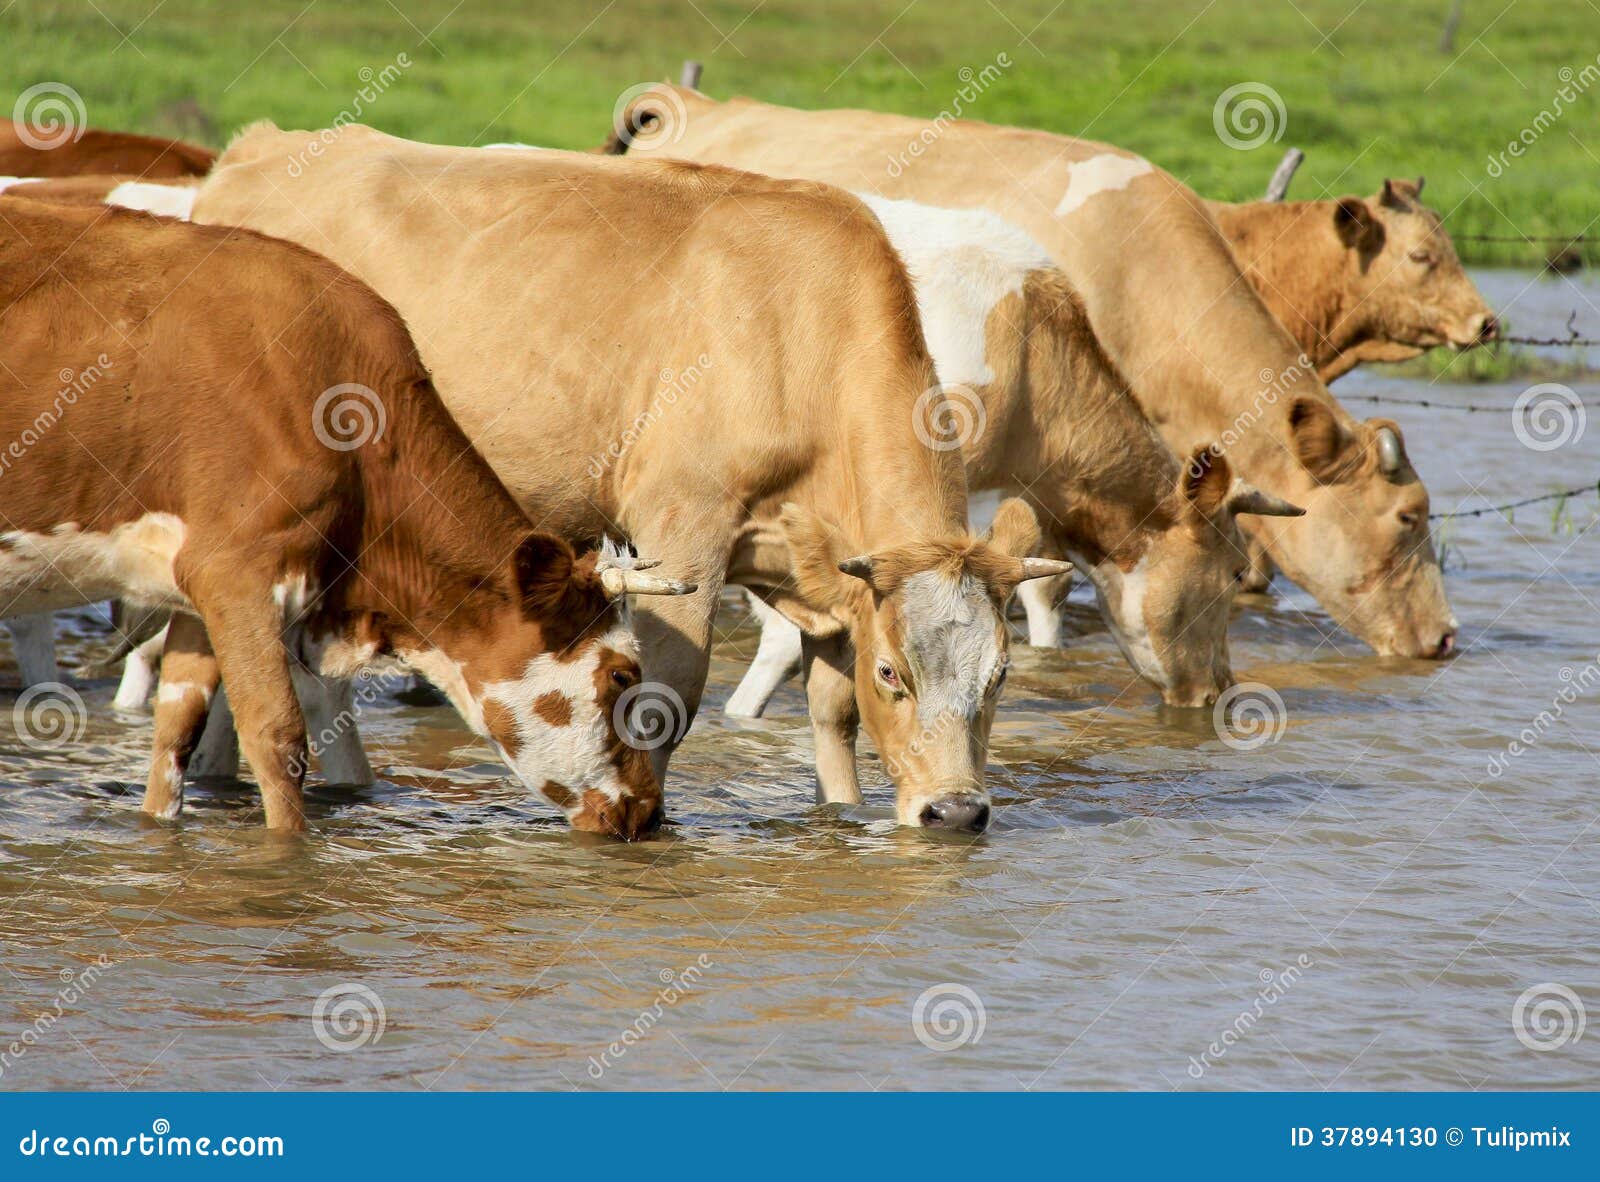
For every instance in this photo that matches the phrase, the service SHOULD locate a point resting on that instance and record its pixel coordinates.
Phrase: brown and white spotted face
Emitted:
(546, 683)
(931, 650)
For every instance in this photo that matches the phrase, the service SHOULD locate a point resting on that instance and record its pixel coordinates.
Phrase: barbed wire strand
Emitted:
(1535, 238)
(1564, 494)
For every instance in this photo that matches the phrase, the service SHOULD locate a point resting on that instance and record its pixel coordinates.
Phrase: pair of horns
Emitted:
(621, 575)
(860, 567)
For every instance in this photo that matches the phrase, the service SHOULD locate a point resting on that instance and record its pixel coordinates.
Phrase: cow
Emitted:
(1353, 279)
(737, 376)
(1202, 353)
(25, 152)
(1043, 413)
(170, 198)
(235, 429)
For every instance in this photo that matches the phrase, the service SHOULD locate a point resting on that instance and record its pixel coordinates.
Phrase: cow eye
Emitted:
(621, 678)
(1423, 257)
(888, 676)
(1409, 519)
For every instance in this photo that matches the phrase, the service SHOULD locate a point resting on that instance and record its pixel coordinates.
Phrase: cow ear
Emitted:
(1401, 194)
(542, 567)
(818, 550)
(1320, 440)
(1205, 481)
(1356, 226)
(1014, 530)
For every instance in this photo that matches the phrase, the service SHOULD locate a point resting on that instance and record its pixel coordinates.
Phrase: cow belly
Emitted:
(67, 565)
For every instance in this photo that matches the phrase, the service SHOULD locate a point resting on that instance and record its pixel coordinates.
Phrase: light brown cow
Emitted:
(705, 346)
(1166, 297)
(27, 153)
(216, 422)
(1040, 411)
(1358, 280)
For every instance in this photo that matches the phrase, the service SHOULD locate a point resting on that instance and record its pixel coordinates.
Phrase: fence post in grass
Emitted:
(1452, 22)
(1279, 184)
(690, 77)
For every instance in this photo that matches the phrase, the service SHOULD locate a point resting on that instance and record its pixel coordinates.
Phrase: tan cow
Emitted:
(1358, 280)
(30, 154)
(1039, 410)
(1166, 297)
(216, 422)
(707, 350)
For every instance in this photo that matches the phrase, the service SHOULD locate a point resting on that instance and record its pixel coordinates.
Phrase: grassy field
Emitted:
(1365, 93)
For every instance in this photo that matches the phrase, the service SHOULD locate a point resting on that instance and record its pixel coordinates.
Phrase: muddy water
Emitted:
(1356, 902)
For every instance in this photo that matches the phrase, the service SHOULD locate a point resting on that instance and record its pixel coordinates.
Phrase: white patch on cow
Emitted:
(1038, 597)
(962, 263)
(1104, 173)
(952, 643)
(173, 201)
(451, 680)
(174, 779)
(139, 673)
(176, 691)
(778, 658)
(1122, 595)
(293, 594)
(575, 755)
(7, 182)
(67, 565)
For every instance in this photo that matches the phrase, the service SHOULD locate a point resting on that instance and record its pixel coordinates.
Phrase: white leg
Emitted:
(1040, 599)
(328, 704)
(139, 673)
(33, 640)
(777, 660)
(217, 753)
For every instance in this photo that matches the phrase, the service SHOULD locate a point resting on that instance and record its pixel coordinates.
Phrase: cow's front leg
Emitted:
(33, 641)
(188, 681)
(329, 707)
(828, 664)
(777, 660)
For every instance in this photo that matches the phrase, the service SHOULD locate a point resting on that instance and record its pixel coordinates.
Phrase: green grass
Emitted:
(1367, 93)
(1503, 363)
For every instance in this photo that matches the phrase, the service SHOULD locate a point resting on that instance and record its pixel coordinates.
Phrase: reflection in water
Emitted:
(1141, 881)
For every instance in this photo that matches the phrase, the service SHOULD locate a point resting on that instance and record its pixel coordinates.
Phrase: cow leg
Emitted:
(218, 752)
(139, 673)
(329, 707)
(33, 641)
(246, 635)
(831, 694)
(1258, 575)
(777, 660)
(188, 681)
(1042, 598)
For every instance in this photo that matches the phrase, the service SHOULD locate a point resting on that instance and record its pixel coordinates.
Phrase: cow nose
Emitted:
(1446, 645)
(1489, 330)
(964, 812)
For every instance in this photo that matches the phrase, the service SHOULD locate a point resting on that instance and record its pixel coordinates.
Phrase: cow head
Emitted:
(1363, 548)
(1405, 285)
(546, 667)
(1168, 591)
(926, 620)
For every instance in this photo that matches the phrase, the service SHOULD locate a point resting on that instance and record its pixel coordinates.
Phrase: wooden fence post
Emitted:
(691, 74)
(1279, 184)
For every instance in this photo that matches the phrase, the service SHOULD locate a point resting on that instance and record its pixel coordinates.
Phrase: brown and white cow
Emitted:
(222, 424)
(1041, 412)
(1354, 280)
(173, 197)
(734, 374)
(26, 153)
(1166, 297)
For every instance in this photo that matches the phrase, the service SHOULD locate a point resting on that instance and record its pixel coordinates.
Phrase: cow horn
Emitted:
(1043, 568)
(860, 566)
(1247, 498)
(618, 581)
(1390, 454)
